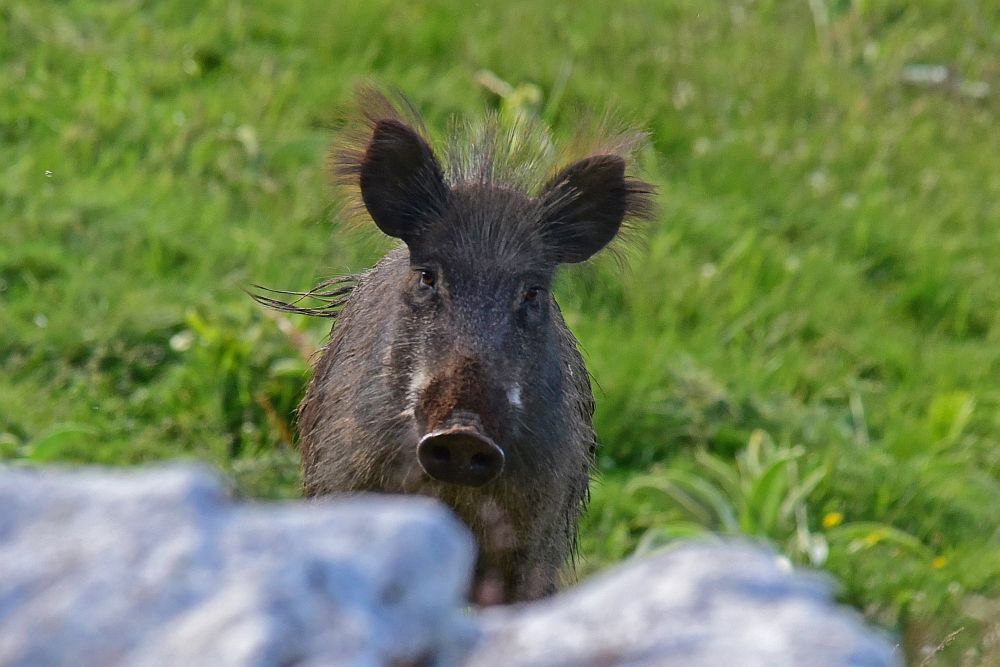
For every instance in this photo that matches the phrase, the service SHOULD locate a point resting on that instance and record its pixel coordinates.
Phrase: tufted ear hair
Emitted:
(401, 182)
(584, 206)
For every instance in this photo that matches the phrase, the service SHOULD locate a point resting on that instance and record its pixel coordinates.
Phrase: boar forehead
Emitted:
(486, 230)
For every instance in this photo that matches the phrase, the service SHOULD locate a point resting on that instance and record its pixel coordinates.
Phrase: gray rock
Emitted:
(160, 568)
(699, 605)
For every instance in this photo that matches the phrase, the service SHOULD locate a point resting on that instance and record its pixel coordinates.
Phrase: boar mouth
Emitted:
(460, 454)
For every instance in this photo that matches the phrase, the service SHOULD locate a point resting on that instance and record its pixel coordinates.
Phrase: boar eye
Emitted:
(530, 295)
(427, 278)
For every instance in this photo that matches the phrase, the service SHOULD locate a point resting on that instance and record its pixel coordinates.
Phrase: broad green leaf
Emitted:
(861, 535)
(800, 492)
(724, 473)
(706, 496)
(61, 442)
(764, 500)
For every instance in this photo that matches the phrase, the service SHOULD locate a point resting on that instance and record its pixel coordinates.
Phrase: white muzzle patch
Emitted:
(514, 396)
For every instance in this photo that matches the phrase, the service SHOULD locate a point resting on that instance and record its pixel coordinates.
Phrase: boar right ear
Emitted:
(584, 206)
(400, 179)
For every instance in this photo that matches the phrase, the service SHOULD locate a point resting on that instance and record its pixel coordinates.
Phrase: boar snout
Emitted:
(460, 454)
(460, 411)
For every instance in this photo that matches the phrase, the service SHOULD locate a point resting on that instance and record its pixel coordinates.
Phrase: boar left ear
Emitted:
(401, 182)
(584, 205)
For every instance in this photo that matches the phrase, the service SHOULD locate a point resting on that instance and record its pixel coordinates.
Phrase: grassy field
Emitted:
(806, 349)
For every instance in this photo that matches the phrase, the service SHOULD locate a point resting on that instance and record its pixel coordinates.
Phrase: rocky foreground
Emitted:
(160, 567)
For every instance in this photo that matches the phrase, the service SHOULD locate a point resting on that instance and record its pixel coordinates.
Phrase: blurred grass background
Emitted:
(806, 349)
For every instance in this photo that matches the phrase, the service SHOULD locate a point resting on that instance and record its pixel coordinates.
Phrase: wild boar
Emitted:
(450, 371)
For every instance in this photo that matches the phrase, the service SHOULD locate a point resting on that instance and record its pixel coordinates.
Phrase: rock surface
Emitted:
(159, 567)
(700, 605)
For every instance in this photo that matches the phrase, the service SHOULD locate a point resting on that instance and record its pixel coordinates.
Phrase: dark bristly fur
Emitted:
(456, 331)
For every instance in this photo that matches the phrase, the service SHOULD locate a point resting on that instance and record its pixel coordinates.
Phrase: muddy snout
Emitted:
(461, 412)
(460, 453)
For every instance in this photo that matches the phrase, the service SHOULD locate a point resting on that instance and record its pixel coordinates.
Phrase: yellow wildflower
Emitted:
(874, 537)
(833, 519)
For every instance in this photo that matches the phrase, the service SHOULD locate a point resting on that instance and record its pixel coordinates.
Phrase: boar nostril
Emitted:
(440, 454)
(460, 455)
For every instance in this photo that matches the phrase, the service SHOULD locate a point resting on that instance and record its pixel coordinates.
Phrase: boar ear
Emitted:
(401, 182)
(584, 205)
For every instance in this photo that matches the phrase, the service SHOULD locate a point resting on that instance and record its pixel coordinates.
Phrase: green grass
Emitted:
(805, 349)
